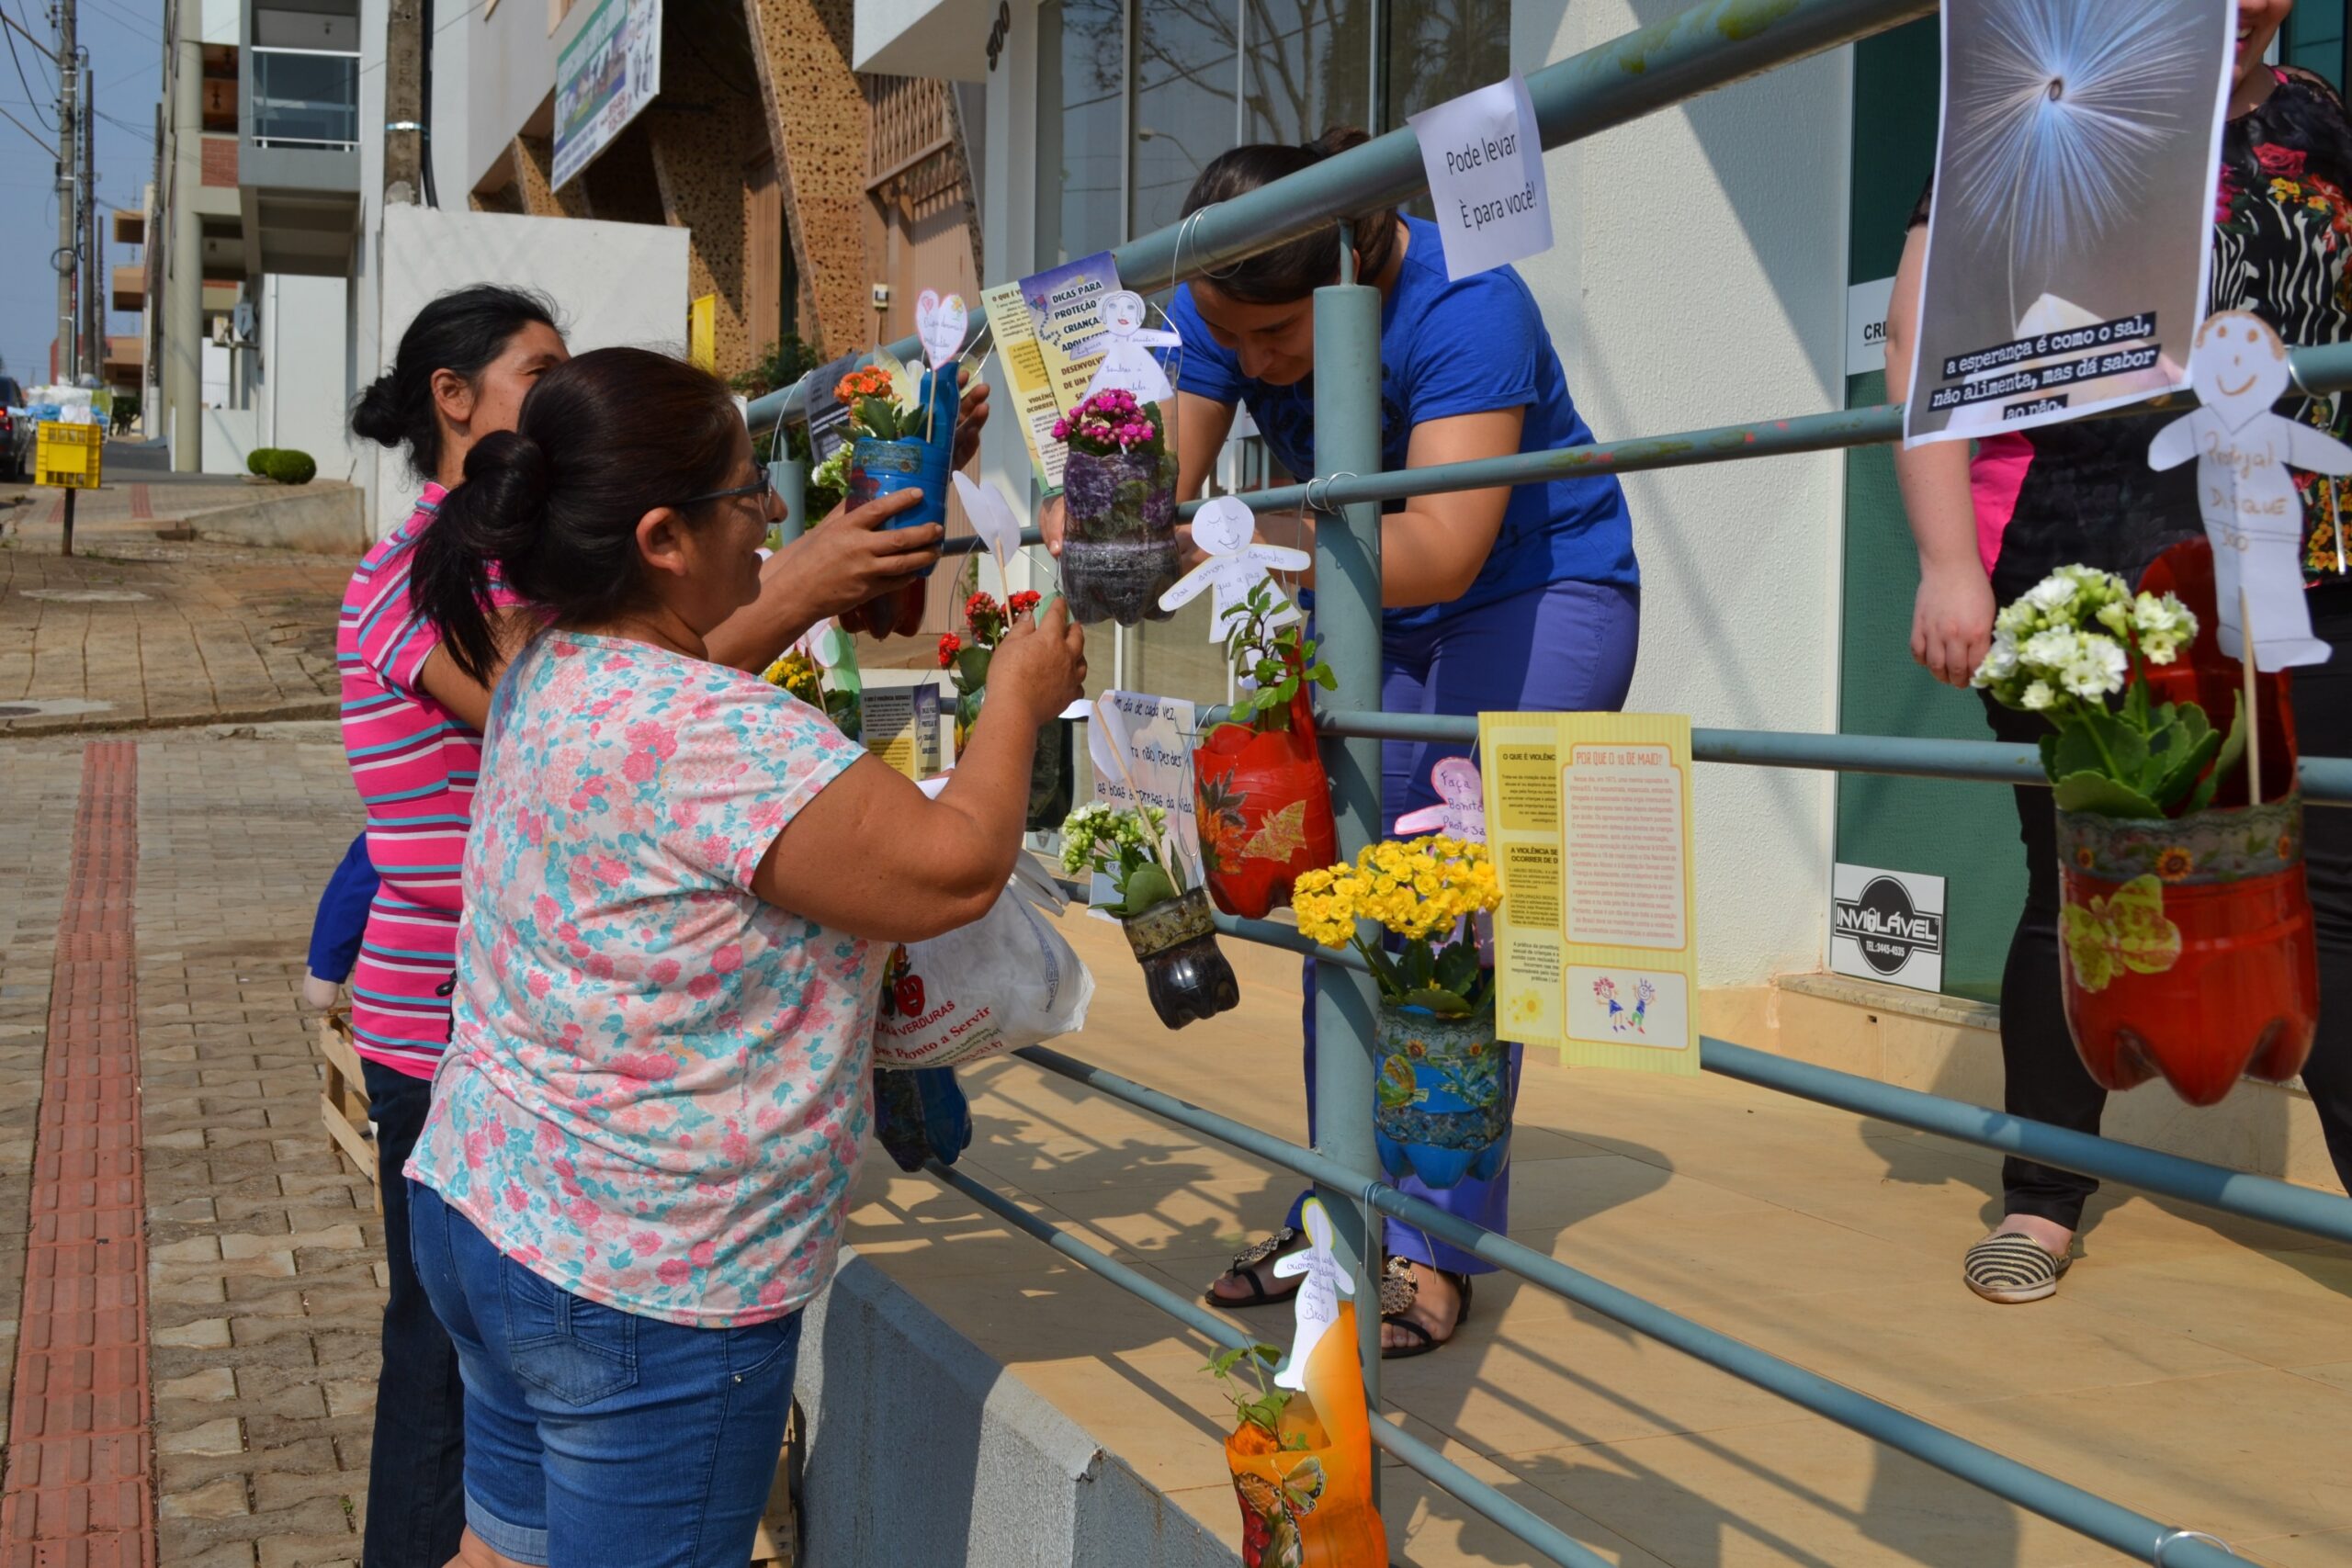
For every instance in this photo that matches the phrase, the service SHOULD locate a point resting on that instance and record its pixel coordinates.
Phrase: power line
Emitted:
(31, 97)
(46, 145)
(136, 24)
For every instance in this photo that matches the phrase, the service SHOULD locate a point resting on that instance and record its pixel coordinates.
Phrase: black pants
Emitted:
(2046, 1079)
(416, 1504)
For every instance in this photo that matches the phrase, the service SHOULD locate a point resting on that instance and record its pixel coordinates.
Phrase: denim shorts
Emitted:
(594, 1436)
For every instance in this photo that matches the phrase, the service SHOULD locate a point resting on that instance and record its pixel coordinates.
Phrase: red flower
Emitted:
(1026, 600)
(2280, 163)
(950, 645)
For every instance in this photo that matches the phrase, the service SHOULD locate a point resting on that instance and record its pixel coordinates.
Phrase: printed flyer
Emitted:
(2069, 237)
(1589, 822)
(1038, 323)
(1160, 760)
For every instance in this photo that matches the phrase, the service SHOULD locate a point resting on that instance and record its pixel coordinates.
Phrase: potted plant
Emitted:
(1259, 789)
(902, 436)
(2186, 948)
(1169, 926)
(966, 663)
(834, 691)
(1119, 552)
(1442, 1109)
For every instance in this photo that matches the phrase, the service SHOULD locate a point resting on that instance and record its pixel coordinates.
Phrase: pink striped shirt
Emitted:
(414, 763)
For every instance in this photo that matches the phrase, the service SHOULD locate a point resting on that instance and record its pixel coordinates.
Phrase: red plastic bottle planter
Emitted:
(1264, 808)
(2185, 944)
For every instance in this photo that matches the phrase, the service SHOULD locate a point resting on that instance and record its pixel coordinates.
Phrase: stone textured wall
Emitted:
(699, 152)
(817, 122)
(533, 158)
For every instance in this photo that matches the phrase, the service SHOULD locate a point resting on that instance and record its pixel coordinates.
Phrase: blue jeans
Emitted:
(596, 1437)
(1565, 649)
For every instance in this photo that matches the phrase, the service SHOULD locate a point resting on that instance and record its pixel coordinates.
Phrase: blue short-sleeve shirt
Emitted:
(1450, 348)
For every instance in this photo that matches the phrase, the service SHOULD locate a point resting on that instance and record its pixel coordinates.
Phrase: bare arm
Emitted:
(460, 693)
(1951, 620)
(872, 855)
(835, 567)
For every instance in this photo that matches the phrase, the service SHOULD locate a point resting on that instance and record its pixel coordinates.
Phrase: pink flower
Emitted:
(702, 987)
(674, 1271)
(646, 1241)
(648, 1066)
(516, 1199)
(665, 970)
(704, 1253)
(584, 1213)
(477, 1149)
(2280, 163)
(772, 1291)
(727, 959)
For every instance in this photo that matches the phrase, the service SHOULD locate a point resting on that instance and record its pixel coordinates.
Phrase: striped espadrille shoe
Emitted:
(2009, 1268)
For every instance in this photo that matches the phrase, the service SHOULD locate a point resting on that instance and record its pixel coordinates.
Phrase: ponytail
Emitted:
(550, 509)
(1297, 269)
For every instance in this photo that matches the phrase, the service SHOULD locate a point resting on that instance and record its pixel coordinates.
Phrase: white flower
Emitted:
(2037, 697)
(2001, 661)
(2162, 626)
(2052, 649)
(2053, 593)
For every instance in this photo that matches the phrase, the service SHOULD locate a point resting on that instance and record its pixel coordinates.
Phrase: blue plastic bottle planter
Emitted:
(1442, 1108)
(879, 467)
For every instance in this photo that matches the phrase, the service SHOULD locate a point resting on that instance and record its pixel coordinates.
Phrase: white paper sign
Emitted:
(1887, 925)
(941, 325)
(1160, 760)
(1485, 161)
(1866, 308)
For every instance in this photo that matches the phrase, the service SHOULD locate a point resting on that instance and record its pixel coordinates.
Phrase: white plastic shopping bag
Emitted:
(1006, 980)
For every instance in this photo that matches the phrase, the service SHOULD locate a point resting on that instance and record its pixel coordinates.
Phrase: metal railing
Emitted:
(1707, 47)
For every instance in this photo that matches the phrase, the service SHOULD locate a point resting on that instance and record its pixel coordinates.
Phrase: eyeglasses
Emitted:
(763, 486)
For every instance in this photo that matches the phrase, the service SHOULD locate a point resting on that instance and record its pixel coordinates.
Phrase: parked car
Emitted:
(16, 431)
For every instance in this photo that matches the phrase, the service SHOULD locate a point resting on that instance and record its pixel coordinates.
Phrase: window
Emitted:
(2314, 39)
(1185, 73)
(1081, 177)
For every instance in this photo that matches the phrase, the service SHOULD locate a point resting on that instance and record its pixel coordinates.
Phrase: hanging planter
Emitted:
(1169, 927)
(966, 664)
(902, 427)
(1119, 550)
(1259, 790)
(2187, 943)
(1441, 1111)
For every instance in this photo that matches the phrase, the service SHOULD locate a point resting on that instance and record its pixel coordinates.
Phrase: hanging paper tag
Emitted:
(941, 325)
(1485, 161)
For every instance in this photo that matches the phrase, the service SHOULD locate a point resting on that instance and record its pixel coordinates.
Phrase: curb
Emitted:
(84, 724)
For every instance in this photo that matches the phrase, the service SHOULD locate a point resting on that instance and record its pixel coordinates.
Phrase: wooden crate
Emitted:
(778, 1543)
(344, 1099)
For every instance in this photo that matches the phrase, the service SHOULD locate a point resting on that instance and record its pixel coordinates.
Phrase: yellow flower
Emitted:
(2286, 190)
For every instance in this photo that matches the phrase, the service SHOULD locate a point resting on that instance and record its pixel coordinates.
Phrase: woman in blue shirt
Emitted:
(1523, 598)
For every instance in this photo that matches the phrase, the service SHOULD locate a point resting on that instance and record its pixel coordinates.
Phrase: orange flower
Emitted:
(2084, 859)
(2174, 863)
(2286, 846)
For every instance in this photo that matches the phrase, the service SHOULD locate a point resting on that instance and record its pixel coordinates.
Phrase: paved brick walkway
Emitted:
(148, 633)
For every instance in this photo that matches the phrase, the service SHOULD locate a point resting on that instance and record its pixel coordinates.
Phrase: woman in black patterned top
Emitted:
(1993, 522)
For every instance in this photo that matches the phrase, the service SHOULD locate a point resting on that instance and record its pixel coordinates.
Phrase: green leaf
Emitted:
(2182, 775)
(1457, 968)
(2073, 749)
(2125, 748)
(1421, 968)
(1324, 678)
(2224, 761)
(1145, 886)
(2102, 796)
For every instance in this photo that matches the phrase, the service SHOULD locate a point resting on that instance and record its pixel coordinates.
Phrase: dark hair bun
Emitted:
(1294, 269)
(376, 415)
(1338, 139)
(508, 474)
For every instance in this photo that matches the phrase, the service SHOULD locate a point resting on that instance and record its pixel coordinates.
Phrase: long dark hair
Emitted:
(554, 503)
(2304, 113)
(1297, 269)
(462, 331)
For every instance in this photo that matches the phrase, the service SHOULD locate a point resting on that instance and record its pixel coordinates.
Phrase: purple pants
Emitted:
(1565, 649)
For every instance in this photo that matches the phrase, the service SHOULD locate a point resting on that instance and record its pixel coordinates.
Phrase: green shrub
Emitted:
(257, 461)
(289, 467)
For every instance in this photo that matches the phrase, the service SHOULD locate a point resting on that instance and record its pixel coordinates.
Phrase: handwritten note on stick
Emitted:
(1485, 161)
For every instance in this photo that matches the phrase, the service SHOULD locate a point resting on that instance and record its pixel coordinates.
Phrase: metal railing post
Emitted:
(1347, 626)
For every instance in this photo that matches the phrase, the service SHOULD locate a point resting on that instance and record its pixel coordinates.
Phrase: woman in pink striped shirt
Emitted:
(411, 729)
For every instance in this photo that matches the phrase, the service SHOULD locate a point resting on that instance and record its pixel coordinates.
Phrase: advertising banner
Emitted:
(603, 77)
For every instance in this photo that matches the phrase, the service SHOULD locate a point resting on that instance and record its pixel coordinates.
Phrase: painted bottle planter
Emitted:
(1119, 552)
(1442, 1109)
(879, 467)
(1306, 1496)
(2186, 947)
(1050, 770)
(1265, 806)
(1184, 972)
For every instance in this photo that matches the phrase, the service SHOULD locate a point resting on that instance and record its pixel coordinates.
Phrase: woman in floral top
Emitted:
(643, 1130)
(1992, 525)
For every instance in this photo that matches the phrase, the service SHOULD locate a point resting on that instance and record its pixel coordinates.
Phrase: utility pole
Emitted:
(93, 293)
(403, 102)
(182, 379)
(69, 213)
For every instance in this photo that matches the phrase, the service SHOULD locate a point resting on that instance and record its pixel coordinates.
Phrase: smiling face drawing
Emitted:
(1122, 313)
(1224, 526)
(2239, 368)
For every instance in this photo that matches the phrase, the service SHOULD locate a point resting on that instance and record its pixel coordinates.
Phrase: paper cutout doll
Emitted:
(1461, 811)
(941, 325)
(1321, 1284)
(1227, 530)
(823, 644)
(992, 520)
(1125, 343)
(2253, 513)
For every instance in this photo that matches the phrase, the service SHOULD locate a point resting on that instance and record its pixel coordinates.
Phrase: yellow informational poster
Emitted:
(702, 332)
(1038, 321)
(67, 455)
(1596, 945)
(900, 726)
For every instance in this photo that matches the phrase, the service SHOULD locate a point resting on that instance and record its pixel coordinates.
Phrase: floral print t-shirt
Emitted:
(655, 1090)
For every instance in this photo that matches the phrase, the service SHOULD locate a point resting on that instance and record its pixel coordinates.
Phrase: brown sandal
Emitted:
(1399, 1291)
(1245, 1267)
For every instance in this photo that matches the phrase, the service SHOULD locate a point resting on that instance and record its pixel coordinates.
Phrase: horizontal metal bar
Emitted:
(2326, 781)
(2107, 1522)
(2304, 1209)
(1535, 1532)
(972, 544)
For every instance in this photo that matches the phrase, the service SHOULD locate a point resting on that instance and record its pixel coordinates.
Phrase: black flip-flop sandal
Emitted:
(1244, 1268)
(1399, 1291)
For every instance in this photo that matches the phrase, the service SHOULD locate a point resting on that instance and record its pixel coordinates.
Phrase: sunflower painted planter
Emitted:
(1441, 1111)
(1119, 552)
(2186, 947)
(1184, 972)
(1264, 807)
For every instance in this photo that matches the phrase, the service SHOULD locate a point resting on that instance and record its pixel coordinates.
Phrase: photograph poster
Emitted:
(2069, 234)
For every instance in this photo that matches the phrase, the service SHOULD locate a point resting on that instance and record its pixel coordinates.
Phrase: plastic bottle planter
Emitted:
(1049, 771)
(2187, 949)
(1183, 972)
(1442, 1105)
(1307, 1505)
(1265, 806)
(880, 467)
(1119, 549)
